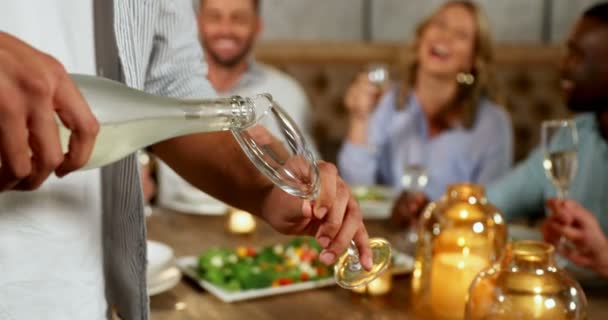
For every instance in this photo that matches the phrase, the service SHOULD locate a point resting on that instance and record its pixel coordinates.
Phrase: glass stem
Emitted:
(353, 256)
(562, 193)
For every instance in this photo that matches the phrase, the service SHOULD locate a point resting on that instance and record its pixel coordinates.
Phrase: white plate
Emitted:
(164, 281)
(188, 266)
(160, 258)
(403, 264)
(376, 209)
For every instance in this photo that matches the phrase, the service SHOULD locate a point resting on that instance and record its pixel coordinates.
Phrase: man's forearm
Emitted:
(214, 163)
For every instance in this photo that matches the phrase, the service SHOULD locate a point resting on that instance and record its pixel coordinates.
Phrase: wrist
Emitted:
(357, 132)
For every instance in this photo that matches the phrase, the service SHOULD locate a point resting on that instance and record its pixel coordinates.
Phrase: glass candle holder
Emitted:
(240, 222)
(526, 284)
(458, 236)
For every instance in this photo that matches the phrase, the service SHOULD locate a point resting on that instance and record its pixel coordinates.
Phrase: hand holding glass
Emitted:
(278, 148)
(559, 139)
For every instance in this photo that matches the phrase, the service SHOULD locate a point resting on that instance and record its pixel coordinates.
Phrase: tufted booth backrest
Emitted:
(527, 75)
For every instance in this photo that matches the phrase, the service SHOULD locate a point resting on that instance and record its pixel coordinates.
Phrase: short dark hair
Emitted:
(256, 5)
(598, 11)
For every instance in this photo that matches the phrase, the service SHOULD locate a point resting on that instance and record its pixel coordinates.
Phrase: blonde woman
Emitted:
(443, 116)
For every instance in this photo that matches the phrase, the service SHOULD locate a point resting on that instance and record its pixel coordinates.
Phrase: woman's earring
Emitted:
(465, 78)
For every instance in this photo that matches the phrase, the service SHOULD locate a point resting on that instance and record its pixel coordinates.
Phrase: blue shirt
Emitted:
(522, 193)
(397, 138)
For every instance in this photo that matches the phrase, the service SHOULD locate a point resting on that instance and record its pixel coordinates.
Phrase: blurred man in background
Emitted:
(228, 30)
(582, 220)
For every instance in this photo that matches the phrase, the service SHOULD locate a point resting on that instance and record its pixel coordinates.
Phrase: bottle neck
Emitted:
(240, 111)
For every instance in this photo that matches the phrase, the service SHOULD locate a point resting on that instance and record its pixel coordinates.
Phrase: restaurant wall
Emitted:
(512, 21)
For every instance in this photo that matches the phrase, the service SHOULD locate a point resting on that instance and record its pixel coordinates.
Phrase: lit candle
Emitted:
(451, 276)
(240, 222)
(379, 286)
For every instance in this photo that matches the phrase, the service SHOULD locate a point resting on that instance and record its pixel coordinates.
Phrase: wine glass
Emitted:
(277, 147)
(559, 140)
(378, 74)
(413, 181)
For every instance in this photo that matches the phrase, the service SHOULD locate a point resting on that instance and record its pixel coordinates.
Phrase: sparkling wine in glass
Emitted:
(559, 140)
(414, 180)
(378, 74)
(277, 147)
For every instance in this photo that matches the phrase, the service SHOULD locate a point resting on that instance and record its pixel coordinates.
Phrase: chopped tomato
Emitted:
(308, 256)
(321, 271)
(304, 277)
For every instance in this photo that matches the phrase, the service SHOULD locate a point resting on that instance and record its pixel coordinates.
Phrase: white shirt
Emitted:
(50, 240)
(178, 194)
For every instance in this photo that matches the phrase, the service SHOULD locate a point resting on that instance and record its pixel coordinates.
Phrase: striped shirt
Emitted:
(159, 52)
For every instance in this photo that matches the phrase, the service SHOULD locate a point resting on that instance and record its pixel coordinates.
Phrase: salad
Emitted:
(370, 193)
(247, 268)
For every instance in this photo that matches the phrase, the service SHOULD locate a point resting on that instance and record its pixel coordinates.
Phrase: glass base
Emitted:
(350, 274)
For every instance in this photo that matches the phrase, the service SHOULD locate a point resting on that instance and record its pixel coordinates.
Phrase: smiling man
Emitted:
(228, 31)
(526, 190)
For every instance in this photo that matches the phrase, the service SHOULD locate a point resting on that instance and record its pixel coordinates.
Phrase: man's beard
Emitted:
(230, 62)
(596, 104)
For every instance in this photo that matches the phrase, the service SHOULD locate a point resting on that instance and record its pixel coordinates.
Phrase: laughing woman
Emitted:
(443, 117)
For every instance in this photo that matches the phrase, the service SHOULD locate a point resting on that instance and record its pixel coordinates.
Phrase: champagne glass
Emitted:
(277, 147)
(378, 74)
(559, 140)
(414, 180)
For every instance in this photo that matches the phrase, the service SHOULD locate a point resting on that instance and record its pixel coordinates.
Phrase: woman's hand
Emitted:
(361, 98)
(360, 101)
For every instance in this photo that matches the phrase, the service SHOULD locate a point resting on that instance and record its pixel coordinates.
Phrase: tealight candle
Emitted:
(451, 276)
(379, 286)
(240, 222)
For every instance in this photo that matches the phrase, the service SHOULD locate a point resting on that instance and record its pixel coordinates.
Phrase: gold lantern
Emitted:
(459, 235)
(526, 284)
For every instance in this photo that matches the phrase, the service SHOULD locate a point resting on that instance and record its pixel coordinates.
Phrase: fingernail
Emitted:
(321, 212)
(368, 263)
(327, 257)
(324, 241)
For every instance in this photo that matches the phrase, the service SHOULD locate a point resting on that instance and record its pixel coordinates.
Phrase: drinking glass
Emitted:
(559, 139)
(413, 181)
(378, 74)
(277, 147)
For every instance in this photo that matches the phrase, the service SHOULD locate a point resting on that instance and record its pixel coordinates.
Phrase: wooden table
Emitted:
(190, 234)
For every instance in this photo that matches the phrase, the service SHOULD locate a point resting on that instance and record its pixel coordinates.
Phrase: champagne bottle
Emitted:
(131, 119)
